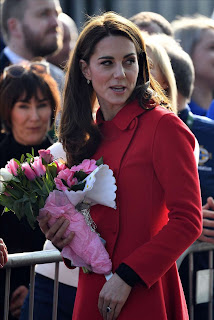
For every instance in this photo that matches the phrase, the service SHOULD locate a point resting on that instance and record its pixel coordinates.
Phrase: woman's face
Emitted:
(30, 120)
(113, 71)
(203, 59)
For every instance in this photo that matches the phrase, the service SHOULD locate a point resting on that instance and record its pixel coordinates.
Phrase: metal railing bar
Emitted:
(210, 310)
(197, 246)
(29, 258)
(7, 290)
(191, 268)
(55, 296)
(31, 296)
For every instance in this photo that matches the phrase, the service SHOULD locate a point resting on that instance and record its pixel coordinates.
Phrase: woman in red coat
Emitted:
(150, 151)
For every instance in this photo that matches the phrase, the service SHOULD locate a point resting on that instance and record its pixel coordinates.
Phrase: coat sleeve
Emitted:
(176, 170)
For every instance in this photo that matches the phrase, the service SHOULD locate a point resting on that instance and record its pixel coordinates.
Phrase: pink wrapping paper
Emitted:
(86, 248)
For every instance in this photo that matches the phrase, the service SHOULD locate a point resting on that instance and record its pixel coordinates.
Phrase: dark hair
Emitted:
(11, 89)
(146, 18)
(11, 9)
(184, 72)
(77, 132)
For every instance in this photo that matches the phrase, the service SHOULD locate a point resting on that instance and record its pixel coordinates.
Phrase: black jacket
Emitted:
(4, 62)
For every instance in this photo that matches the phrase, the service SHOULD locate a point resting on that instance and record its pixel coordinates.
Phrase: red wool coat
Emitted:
(158, 212)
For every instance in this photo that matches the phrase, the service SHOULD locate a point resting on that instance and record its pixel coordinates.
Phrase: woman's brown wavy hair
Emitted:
(78, 132)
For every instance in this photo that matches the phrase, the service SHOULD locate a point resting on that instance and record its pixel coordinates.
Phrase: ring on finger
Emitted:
(108, 309)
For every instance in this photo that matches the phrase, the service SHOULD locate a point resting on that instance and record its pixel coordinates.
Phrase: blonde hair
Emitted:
(163, 61)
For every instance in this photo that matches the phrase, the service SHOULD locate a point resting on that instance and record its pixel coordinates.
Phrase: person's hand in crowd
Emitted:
(3, 253)
(56, 232)
(17, 300)
(113, 295)
(207, 235)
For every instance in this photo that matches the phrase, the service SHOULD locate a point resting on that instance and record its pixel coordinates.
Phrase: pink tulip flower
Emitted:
(68, 176)
(60, 166)
(46, 155)
(28, 171)
(38, 167)
(12, 166)
(86, 166)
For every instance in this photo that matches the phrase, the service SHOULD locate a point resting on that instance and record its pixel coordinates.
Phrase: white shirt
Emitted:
(12, 56)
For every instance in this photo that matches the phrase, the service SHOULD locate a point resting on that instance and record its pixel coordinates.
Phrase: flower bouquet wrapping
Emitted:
(36, 186)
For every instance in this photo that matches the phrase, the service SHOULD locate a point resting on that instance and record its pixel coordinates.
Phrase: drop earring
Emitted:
(88, 81)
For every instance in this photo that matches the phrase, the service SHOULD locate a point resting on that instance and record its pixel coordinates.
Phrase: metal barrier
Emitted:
(49, 256)
(199, 246)
(31, 259)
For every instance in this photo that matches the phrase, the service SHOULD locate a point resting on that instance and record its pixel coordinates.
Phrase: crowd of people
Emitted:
(137, 91)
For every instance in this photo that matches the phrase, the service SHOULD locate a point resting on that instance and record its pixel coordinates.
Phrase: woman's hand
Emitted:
(3, 253)
(56, 232)
(113, 295)
(207, 235)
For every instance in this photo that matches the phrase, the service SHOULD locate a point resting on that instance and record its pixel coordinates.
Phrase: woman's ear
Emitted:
(85, 69)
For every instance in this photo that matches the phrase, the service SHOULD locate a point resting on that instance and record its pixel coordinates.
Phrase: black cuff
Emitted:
(127, 274)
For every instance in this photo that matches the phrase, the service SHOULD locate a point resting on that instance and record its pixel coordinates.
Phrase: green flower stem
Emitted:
(85, 270)
(18, 186)
(48, 190)
(12, 195)
(38, 184)
(49, 174)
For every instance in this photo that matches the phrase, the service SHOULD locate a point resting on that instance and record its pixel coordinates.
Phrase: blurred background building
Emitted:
(167, 8)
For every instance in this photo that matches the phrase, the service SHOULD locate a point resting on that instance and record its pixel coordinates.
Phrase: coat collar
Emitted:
(124, 117)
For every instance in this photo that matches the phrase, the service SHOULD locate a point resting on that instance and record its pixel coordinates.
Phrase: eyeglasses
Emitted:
(17, 71)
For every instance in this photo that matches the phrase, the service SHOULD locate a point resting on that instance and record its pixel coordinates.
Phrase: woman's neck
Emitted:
(110, 112)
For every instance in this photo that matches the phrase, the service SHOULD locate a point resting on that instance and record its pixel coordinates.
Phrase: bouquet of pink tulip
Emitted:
(26, 184)
(36, 186)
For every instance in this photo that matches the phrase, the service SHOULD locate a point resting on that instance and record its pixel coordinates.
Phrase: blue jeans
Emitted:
(43, 300)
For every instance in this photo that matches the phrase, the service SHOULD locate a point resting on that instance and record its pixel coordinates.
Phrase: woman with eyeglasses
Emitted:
(29, 100)
(150, 151)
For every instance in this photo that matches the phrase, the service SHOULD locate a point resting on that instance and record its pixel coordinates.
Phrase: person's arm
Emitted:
(176, 172)
(3, 253)
(208, 222)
